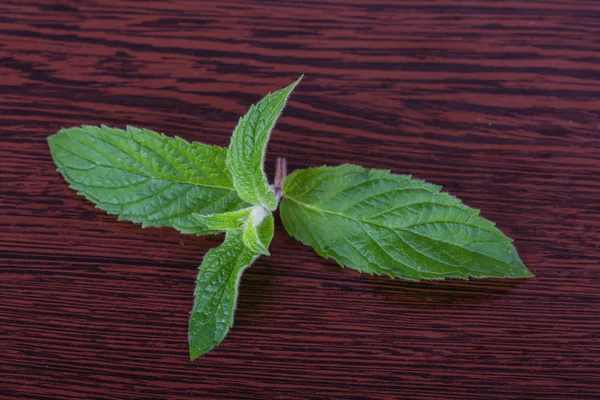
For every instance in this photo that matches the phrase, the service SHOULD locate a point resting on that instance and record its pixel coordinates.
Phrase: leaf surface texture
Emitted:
(246, 152)
(217, 288)
(382, 223)
(146, 177)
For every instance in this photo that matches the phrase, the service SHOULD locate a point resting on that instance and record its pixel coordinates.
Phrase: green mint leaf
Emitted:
(246, 153)
(222, 222)
(216, 292)
(266, 230)
(382, 223)
(146, 177)
(217, 288)
(247, 219)
(250, 235)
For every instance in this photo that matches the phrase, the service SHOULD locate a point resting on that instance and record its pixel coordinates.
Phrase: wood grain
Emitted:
(497, 101)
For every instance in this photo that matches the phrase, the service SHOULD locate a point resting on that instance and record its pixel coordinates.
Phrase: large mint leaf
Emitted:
(217, 288)
(146, 177)
(246, 153)
(382, 223)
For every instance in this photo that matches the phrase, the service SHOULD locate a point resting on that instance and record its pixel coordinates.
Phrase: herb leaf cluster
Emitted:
(370, 220)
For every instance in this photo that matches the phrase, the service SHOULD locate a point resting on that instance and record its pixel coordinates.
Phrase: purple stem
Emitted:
(280, 174)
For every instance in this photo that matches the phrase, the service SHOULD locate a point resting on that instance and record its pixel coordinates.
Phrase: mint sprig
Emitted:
(366, 219)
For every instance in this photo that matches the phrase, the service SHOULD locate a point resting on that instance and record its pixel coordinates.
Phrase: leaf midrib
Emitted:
(385, 226)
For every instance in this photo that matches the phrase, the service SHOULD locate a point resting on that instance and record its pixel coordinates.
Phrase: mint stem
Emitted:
(280, 174)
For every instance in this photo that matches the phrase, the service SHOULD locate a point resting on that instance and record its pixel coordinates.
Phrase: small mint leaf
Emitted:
(382, 223)
(216, 293)
(217, 287)
(146, 177)
(250, 235)
(222, 222)
(246, 153)
(266, 230)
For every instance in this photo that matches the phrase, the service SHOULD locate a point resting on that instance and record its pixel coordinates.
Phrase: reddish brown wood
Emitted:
(497, 101)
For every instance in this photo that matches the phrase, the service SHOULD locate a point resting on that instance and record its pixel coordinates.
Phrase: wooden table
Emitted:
(497, 101)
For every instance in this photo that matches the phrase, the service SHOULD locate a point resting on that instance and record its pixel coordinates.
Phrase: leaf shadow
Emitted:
(443, 293)
(450, 293)
(256, 288)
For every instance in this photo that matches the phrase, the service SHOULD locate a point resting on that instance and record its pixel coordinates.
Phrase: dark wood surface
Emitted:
(497, 101)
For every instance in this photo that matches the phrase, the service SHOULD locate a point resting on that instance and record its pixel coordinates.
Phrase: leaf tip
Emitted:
(56, 136)
(518, 270)
(198, 347)
(527, 273)
(52, 143)
(291, 87)
(194, 352)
